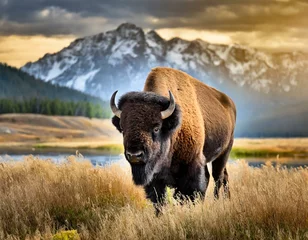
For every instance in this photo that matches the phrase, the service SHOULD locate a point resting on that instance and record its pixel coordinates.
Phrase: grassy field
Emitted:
(270, 147)
(39, 199)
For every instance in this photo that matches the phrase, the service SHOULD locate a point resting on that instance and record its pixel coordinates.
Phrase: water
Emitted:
(96, 160)
(283, 162)
(103, 159)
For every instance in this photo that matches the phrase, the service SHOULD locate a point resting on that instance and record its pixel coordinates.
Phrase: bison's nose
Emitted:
(135, 157)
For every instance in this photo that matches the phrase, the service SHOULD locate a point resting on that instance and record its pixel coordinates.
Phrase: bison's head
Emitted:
(147, 121)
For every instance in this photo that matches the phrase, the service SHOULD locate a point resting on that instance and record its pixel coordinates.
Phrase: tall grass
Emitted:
(39, 198)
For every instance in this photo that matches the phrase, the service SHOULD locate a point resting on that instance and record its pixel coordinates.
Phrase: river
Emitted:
(104, 159)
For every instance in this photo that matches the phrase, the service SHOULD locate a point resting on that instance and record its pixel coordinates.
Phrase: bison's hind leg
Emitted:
(225, 184)
(221, 179)
(220, 174)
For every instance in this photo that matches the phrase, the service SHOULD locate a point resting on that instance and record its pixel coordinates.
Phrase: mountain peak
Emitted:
(96, 64)
(128, 29)
(127, 25)
(154, 35)
(177, 40)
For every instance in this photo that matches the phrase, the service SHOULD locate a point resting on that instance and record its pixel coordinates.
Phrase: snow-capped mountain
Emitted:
(122, 58)
(258, 81)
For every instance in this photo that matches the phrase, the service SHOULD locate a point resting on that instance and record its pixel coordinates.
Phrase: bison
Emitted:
(172, 130)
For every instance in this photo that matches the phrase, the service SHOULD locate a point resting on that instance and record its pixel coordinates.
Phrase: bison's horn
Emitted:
(167, 113)
(113, 106)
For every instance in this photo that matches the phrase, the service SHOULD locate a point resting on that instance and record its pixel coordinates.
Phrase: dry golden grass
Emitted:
(278, 145)
(39, 198)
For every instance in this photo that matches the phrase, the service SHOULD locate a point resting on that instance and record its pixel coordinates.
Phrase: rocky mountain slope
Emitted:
(99, 64)
(259, 82)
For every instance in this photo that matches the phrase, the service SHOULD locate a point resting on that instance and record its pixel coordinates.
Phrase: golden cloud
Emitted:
(18, 50)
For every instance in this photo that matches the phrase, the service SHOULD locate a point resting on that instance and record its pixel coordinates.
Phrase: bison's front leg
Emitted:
(193, 181)
(155, 191)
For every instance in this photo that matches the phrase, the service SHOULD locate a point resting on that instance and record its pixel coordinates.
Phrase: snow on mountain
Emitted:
(260, 83)
(121, 59)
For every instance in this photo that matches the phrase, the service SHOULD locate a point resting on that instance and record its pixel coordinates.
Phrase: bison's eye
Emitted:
(156, 130)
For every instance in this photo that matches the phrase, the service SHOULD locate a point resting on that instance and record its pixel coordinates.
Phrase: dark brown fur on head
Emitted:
(144, 130)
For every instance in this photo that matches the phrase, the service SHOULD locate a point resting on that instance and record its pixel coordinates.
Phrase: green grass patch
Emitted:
(42, 146)
(113, 148)
(260, 153)
(108, 148)
(66, 235)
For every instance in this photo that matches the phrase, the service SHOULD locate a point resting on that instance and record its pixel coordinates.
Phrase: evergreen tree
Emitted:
(55, 107)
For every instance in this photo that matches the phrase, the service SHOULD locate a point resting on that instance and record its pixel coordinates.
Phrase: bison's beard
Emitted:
(143, 173)
(139, 175)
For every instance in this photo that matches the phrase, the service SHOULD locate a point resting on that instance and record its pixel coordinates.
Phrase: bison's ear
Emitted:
(116, 122)
(173, 122)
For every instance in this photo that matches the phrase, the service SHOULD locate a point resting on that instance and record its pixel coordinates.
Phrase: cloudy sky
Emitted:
(31, 28)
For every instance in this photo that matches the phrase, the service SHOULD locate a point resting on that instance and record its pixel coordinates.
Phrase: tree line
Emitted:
(55, 107)
(16, 84)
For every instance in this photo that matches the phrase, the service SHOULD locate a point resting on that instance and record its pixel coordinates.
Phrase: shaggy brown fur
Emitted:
(208, 121)
(208, 116)
(199, 131)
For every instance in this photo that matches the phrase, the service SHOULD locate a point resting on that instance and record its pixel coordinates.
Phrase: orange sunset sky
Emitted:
(29, 29)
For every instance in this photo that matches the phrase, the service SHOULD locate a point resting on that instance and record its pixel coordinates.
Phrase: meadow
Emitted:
(42, 200)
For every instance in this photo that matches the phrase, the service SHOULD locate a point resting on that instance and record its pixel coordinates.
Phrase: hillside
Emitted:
(17, 84)
(29, 132)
